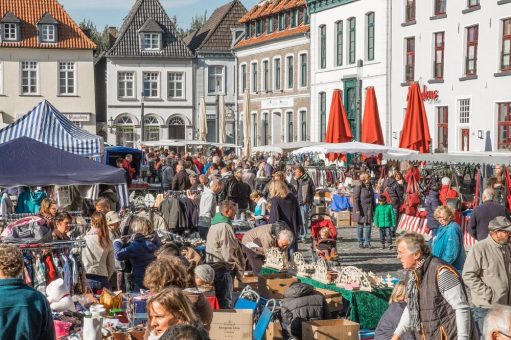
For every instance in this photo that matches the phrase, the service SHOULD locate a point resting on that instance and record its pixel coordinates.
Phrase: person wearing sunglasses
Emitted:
(487, 270)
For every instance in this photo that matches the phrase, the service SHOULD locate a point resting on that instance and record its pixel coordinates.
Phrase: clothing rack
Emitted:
(51, 245)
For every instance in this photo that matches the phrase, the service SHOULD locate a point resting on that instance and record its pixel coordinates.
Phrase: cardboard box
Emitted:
(274, 331)
(232, 324)
(248, 280)
(343, 218)
(273, 286)
(319, 209)
(338, 329)
(323, 196)
(333, 299)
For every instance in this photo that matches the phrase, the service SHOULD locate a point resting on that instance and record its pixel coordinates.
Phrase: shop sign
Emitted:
(428, 95)
(277, 103)
(78, 117)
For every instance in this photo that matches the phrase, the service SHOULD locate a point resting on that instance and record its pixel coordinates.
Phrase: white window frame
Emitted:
(286, 74)
(213, 75)
(125, 81)
(463, 121)
(255, 128)
(300, 54)
(67, 71)
(12, 26)
(30, 70)
(175, 81)
(265, 78)
(242, 90)
(286, 138)
(254, 81)
(48, 33)
(151, 81)
(299, 119)
(274, 78)
(150, 39)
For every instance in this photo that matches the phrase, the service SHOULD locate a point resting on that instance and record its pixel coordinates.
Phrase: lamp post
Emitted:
(142, 117)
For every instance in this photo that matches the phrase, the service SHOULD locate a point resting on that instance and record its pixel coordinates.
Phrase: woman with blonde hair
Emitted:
(48, 211)
(447, 244)
(390, 319)
(284, 207)
(98, 254)
(140, 250)
(169, 271)
(168, 308)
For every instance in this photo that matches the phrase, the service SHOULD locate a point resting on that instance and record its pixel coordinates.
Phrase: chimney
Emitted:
(112, 35)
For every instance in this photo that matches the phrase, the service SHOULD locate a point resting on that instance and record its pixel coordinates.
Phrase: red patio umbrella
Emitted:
(415, 133)
(371, 126)
(338, 129)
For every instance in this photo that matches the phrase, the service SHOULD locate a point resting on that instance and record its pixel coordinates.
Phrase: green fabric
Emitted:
(24, 312)
(219, 218)
(365, 308)
(384, 216)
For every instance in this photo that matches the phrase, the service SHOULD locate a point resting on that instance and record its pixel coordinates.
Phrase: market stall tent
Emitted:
(27, 162)
(114, 152)
(356, 147)
(47, 125)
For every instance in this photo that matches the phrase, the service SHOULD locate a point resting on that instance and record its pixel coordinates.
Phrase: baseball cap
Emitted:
(500, 223)
(112, 217)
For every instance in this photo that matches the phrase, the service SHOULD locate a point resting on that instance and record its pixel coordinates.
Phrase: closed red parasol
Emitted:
(371, 127)
(415, 133)
(338, 129)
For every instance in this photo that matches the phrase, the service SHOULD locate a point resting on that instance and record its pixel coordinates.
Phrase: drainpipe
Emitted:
(388, 76)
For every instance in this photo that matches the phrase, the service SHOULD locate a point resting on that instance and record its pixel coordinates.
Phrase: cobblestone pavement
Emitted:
(377, 260)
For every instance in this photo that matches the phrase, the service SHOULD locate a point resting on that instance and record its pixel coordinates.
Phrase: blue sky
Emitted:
(112, 12)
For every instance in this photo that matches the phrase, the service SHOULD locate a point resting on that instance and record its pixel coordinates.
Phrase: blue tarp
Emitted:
(27, 162)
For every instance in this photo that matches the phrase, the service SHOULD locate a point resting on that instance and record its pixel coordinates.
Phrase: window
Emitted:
(322, 46)
(151, 84)
(259, 27)
(442, 128)
(303, 120)
(471, 58)
(151, 129)
(282, 21)
(294, 18)
(177, 128)
(505, 58)
(410, 59)
(175, 87)
(266, 132)
(254, 77)
(290, 131)
(410, 10)
(67, 78)
(10, 32)
(29, 77)
(247, 31)
(48, 33)
(322, 119)
(306, 15)
(472, 3)
(370, 36)
(269, 25)
(463, 111)
(339, 43)
(126, 84)
(438, 67)
(290, 72)
(303, 70)
(276, 73)
(504, 126)
(151, 41)
(215, 79)
(1, 78)
(243, 80)
(255, 133)
(124, 131)
(352, 40)
(266, 76)
(440, 6)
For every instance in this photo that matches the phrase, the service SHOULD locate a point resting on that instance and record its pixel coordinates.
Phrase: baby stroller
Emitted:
(325, 247)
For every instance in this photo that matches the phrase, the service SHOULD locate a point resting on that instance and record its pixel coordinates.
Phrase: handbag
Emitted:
(110, 299)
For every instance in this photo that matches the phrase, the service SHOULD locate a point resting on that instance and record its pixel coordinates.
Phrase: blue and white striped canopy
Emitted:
(47, 125)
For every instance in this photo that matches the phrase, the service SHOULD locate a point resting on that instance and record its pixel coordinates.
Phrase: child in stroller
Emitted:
(324, 235)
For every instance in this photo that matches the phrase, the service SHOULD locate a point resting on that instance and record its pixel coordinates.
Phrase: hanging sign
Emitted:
(428, 95)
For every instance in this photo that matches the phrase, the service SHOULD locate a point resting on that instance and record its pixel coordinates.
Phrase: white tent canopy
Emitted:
(464, 158)
(283, 147)
(355, 147)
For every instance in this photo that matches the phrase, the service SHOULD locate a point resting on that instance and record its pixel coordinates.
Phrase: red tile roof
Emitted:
(69, 35)
(271, 7)
(275, 35)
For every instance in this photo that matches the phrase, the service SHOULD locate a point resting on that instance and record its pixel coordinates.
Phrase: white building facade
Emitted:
(350, 41)
(460, 54)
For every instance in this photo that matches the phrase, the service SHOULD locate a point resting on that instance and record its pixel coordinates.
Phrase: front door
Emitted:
(350, 104)
(465, 139)
(276, 134)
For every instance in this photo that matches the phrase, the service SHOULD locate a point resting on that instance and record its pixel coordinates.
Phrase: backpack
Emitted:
(32, 229)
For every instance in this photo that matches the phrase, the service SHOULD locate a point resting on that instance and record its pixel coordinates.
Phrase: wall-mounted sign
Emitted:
(277, 103)
(78, 117)
(428, 95)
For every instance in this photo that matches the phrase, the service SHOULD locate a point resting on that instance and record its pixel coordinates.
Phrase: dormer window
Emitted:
(47, 27)
(151, 36)
(10, 27)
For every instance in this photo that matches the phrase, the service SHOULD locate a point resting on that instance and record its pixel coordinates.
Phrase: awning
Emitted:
(355, 147)
(458, 158)
(284, 147)
(47, 125)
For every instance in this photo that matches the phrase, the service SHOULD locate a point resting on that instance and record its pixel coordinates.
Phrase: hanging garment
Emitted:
(30, 202)
(172, 213)
(51, 273)
(39, 275)
(5, 205)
